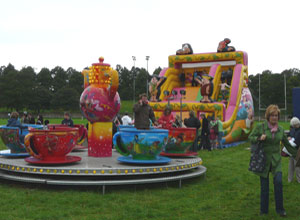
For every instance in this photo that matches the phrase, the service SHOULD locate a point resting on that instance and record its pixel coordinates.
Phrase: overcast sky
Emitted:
(75, 33)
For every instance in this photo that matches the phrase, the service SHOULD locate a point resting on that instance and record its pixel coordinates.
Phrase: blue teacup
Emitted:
(141, 144)
(13, 137)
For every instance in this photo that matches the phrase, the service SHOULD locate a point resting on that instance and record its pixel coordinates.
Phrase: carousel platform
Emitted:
(100, 171)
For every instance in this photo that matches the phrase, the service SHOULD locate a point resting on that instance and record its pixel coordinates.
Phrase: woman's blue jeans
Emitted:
(264, 193)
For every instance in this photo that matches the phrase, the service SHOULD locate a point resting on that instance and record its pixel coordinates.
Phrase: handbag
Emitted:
(258, 158)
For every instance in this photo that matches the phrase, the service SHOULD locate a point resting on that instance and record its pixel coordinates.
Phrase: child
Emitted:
(224, 90)
(67, 120)
(15, 122)
(213, 134)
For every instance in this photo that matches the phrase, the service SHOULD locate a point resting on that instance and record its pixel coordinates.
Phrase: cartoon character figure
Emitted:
(153, 89)
(186, 49)
(250, 118)
(179, 139)
(206, 88)
(136, 146)
(154, 147)
(223, 46)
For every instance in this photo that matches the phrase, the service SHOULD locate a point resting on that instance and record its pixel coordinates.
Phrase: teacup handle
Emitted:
(119, 146)
(28, 142)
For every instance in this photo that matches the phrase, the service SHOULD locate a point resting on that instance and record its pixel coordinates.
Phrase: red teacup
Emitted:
(82, 131)
(52, 144)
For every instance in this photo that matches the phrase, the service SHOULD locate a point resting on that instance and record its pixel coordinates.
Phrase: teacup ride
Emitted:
(82, 134)
(51, 146)
(13, 138)
(140, 146)
(180, 143)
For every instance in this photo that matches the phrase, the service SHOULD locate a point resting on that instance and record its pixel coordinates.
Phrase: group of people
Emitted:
(27, 118)
(15, 121)
(208, 137)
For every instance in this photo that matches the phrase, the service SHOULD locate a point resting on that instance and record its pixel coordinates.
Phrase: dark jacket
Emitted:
(142, 114)
(295, 133)
(26, 120)
(31, 120)
(68, 122)
(192, 122)
(13, 122)
(205, 128)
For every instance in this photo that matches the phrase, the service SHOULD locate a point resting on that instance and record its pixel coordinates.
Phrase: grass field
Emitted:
(228, 191)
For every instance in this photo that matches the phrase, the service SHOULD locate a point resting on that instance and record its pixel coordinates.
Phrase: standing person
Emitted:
(167, 119)
(67, 120)
(220, 132)
(31, 118)
(213, 125)
(40, 120)
(126, 119)
(205, 143)
(294, 138)
(25, 118)
(193, 122)
(271, 134)
(143, 113)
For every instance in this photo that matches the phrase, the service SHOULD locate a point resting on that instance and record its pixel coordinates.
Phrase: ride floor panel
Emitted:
(100, 171)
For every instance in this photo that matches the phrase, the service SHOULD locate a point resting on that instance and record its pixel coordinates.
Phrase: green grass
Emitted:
(126, 106)
(229, 191)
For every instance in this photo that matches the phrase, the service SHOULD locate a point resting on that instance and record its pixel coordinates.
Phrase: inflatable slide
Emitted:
(229, 98)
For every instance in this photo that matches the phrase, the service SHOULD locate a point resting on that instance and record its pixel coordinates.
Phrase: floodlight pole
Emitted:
(285, 104)
(147, 89)
(180, 110)
(285, 107)
(259, 97)
(134, 59)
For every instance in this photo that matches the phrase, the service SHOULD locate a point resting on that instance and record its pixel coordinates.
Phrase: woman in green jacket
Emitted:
(271, 135)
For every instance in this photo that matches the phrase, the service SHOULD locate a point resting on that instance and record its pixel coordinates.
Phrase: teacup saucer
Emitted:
(53, 161)
(7, 153)
(159, 160)
(188, 154)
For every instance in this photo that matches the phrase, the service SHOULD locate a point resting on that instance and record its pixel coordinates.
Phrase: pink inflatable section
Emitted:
(234, 91)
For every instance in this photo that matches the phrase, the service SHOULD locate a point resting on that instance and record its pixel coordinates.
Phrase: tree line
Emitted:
(59, 90)
(269, 88)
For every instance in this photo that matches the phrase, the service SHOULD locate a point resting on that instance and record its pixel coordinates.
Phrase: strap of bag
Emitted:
(260, 142)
